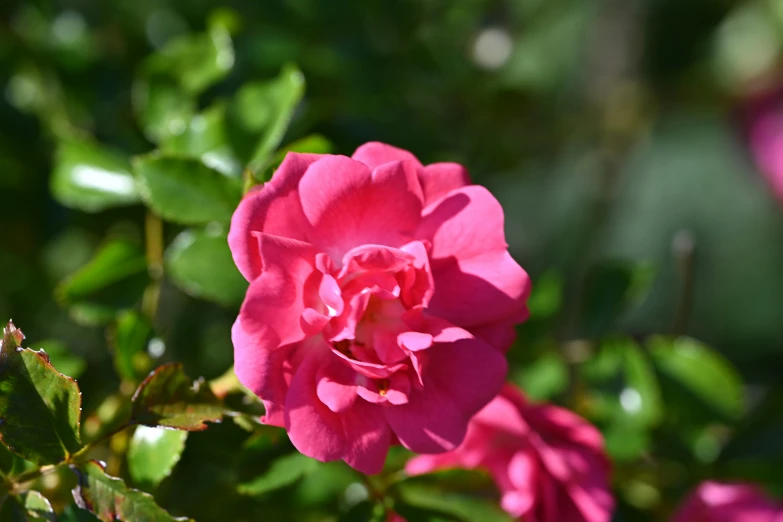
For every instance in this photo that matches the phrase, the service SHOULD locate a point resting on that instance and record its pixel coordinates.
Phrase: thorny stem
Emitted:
(15, 484)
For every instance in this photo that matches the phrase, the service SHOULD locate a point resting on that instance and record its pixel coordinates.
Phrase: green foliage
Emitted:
(283, 472)
(91, 178)
(110, 499)
(112, 281)
(601, 129)
(39, 407)
(185, 190)
(168, 398)
(696, 367)
(427, 498)
(153, 453)
(132, 334)
(268, 107)
(200, 263)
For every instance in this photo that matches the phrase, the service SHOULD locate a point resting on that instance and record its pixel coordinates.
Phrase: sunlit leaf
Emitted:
(39, 407)
(206, 138)
(90, 177)
(200, 262)
(38, 507)
(110, 499)
(703, 371)
(185, 190)
(167, 397)
(165, 91)
(267, 107)
(623, 387)
(153, 453)
(113, 280)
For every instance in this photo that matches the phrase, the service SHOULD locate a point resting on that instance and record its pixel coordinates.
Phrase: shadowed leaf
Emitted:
(39, 407)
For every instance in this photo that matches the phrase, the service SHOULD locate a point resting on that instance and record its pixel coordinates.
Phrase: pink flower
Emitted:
(381, 299)
(715, 502)
(548, 463)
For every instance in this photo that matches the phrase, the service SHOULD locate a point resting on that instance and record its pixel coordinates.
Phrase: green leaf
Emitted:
(419, 500)
(365, 511)
(168, 398)
(545, 377)
(547, 296)
(62, 358)
(164, 94)
(206, 138)
(200, 263)
(113, 280)
(641, 398)
(195, 61)
(184, 190)
(12, 510)
(91, 178)
(153, 453)
(110, 499)
(162, 108)
(38, 507)
(268, 107)
(75, 514)
(703, 371)
(610, 288)
(283, 472)
(132, 334)
(624, 389)
(39, 407)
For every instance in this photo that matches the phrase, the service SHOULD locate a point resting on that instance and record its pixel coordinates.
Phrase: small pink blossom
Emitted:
(381, 299)
(548, 463)
(716, 502)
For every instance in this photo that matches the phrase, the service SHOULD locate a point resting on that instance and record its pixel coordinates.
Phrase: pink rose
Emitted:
(715, 502)
(381, 299)
(548, 463)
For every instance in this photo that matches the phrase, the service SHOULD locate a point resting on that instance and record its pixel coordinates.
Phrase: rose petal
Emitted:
(438, 179)
(313, 428)
(375, 153)
(336, 385)
(273, 306)
(479, 290)
(274, 209)
(368, 437)
(264, 372)
(348, 206)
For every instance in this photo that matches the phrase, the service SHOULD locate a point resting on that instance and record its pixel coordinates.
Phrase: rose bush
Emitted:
(716, 502)
(381, 299)
(548, 463)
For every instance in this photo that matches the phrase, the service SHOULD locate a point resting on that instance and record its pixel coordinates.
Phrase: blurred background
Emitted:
(636, 146)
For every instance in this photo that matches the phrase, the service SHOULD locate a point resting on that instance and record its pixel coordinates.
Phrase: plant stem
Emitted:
(28, 476)
(153, 235)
